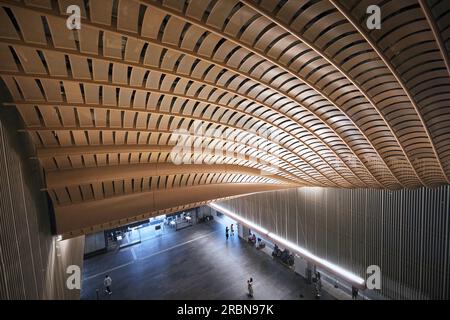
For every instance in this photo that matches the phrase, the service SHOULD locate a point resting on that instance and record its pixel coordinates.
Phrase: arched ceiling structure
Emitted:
(266, 94)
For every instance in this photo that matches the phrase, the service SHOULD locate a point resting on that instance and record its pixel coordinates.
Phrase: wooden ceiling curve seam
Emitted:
(271, 94)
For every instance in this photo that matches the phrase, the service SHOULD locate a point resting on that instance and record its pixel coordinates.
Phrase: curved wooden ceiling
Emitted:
(345, 106)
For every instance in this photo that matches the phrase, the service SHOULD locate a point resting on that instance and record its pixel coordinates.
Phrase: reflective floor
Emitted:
(193, 263)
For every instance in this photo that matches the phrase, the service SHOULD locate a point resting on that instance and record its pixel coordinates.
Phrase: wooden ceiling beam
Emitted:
(394, 72)
(89, 213)
(203, 58)
(76, 177)
(120, 129)
(266, 57)
(206, 120)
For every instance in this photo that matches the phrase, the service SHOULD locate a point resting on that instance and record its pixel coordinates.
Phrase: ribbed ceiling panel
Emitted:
(292, 93)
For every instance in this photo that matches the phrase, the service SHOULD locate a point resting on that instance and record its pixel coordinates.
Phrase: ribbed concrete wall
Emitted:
(32, 263)
(404, 232)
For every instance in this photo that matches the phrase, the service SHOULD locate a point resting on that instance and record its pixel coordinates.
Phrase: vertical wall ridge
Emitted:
(405, 232)
(30, 265)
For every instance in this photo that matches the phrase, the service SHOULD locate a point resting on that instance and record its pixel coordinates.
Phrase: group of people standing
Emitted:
(227, 231)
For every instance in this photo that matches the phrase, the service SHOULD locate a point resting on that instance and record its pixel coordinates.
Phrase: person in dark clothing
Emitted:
(226, 232)
(250, 287)
(318, 285)
(354, 293)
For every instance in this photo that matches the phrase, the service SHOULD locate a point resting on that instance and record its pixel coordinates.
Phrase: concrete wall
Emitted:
(404, 232)
(32, 262)
(94, 242)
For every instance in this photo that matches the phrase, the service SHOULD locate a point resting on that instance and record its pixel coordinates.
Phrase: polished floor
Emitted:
(193, 263)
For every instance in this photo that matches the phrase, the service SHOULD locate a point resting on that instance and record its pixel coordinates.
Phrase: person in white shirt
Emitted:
(107, 283)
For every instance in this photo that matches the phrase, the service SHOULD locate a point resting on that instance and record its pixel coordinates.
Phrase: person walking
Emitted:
(107, 283)
(232, 230)
(226, 232)
(250, 287)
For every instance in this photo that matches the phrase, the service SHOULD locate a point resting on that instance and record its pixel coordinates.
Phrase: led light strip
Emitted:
(287, 244)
